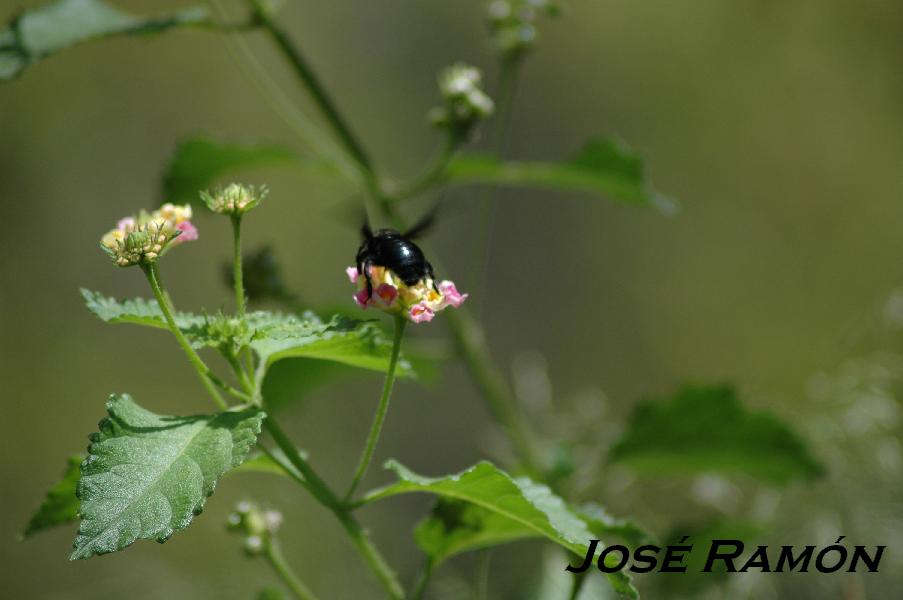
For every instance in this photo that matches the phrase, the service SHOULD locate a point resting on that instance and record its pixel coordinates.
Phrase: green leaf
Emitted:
(507, 509)
(604, 525)
(602, 166)
(706, 428)
(199, 162)
(343, 340)
(147, 475)
(61, 504)
(36, 34)
(137, 312)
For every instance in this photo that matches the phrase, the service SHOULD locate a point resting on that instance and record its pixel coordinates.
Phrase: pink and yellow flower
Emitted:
(418, 303)
(146, 236)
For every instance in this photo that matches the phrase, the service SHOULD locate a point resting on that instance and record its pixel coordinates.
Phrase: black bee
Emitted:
(395, 251)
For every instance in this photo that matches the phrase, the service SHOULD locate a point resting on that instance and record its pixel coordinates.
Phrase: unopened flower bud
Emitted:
(234, 199)
(253, 545)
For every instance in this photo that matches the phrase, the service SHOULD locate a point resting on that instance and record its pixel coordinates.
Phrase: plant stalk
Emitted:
(207, 378)
(274, 556)
(381, 410)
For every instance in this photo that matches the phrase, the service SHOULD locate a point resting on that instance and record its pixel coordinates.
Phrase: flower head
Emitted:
(147, 236)
(465, 101)
(234, 199)
(257, 524)
(512, 24)
(418, 303)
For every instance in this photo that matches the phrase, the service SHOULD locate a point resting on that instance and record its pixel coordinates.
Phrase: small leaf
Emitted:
(704, 429)
(147, 475)
(38, 33)
(61, 504)
(199, 162)
(602, 166)
(519, 508)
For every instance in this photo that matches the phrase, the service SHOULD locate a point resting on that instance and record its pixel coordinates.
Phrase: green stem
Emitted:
(435, 171)
(319, 94)
(274, 556)
(237, 274)
(577, 585)
(381, 409)
(153, 278)
(323, 494)
(423, 580)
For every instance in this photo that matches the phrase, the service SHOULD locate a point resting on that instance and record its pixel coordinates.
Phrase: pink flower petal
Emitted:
(189, 232)
(361, 298)
(126, 223)
(386, 293)
(450, 294)
(352, 274)
(421, 313)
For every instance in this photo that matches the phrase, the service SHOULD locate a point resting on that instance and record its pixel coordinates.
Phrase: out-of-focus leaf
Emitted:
(604, 525)
(270, 593)
(61, 504)
(602, 166)
(148, 475)
(199, 162)
(38, 33)
(706, 429)
(532, 508)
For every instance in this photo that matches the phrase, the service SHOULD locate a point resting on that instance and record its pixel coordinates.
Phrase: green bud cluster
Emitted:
(234, 199)
(143, 244)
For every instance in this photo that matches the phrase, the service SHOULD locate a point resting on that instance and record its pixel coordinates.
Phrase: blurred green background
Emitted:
(778, 125)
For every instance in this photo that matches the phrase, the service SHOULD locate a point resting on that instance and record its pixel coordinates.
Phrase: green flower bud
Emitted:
(512, 24)
(234, 199)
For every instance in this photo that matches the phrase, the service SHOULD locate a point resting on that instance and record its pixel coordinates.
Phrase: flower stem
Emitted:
(274, 556)
(423, 579)
(381, 409)
(307, 75)
(237, 274)
(153, 278)
(325, 496)
(434, 173)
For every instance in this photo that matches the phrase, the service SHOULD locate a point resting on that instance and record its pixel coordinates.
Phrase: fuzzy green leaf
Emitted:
(137, 311)
(36, 34)
(199, 162)
(704, 429)
(61, 504)
(602, 166)
(604, 526)
(343, 340)
(504, 509)
(147, 475)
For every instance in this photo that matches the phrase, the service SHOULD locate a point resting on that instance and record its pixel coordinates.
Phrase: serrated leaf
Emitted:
(532, 509)
(137, 311)
(602, 166)
(147, 475)
(343, 340)
(36, 34)
(61, 504)
(604, 525)
(707, 429)
(199, 162)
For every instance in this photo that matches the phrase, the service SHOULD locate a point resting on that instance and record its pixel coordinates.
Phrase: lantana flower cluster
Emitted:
(418, 303)
(146, 236)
